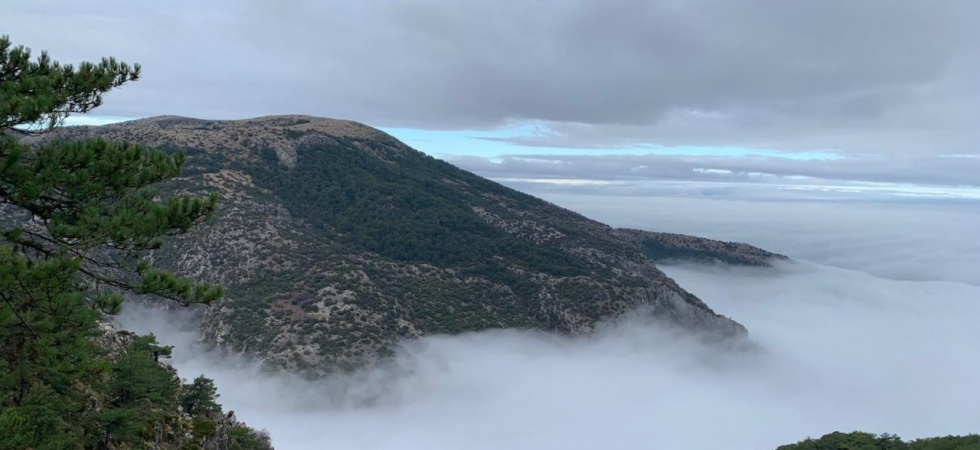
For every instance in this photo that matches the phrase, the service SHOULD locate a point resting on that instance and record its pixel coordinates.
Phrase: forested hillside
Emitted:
(335, 242)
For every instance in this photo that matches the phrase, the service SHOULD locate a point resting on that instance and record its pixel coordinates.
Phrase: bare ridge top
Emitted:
(335, 127)
(234, 138)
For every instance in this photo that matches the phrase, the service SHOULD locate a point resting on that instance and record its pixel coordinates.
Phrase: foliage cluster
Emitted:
(78, 218)
(867, 441)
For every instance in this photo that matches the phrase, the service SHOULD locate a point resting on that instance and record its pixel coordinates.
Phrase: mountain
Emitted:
(335, 241)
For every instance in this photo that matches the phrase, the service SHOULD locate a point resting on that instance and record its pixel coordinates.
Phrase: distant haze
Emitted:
(920, 241)
(871, 346)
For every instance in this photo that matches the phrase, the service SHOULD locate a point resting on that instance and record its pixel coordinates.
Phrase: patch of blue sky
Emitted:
(494, 144)
(86, 119)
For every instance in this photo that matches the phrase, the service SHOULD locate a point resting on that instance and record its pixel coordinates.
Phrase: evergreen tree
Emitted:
(76, 221)
(200, 397)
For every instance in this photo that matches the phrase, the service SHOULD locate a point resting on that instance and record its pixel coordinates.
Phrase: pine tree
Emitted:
(76, 222)
(200, 397)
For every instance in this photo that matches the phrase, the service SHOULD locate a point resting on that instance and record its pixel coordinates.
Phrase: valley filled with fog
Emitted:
(872, 327)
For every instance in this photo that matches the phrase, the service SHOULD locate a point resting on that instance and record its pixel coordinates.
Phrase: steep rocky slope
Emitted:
(335, 241)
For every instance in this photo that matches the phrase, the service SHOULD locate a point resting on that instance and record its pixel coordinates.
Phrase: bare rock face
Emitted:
(335, 241)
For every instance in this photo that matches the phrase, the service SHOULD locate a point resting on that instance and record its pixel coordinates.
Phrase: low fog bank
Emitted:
(844, 350)
(903, 241)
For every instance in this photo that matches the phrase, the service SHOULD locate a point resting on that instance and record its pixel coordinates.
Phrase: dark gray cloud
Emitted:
(859, 76)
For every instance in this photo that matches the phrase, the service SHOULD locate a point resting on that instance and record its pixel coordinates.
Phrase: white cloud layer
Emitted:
(937, 177)
(842, 350)
(902, 241)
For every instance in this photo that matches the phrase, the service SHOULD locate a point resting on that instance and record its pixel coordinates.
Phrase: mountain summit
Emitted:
(335, 241)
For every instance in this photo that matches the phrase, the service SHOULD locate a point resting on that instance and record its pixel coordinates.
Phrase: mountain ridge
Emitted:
(336, 241)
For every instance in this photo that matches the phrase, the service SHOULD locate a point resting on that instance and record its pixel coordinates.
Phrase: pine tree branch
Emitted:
(17, 313)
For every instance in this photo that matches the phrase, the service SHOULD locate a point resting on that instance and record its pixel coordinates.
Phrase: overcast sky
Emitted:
(888, 87)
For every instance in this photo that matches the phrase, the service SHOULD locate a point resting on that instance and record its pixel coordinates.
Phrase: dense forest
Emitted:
(403, 210)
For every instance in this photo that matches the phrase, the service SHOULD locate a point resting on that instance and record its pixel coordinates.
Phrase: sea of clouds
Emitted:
(872, 327)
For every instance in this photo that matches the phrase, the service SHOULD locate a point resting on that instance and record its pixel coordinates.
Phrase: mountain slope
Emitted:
(335, 241)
